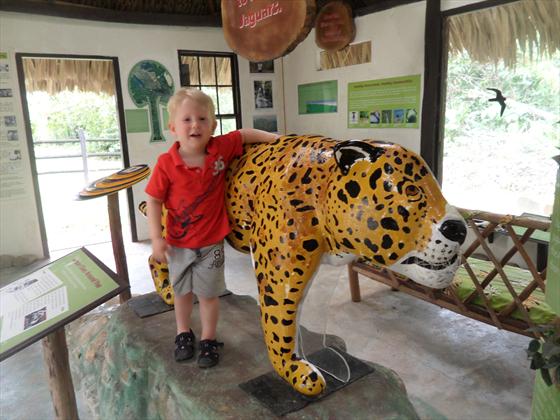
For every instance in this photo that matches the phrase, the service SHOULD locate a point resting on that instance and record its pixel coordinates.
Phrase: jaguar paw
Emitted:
(304, 377)
(160, 276)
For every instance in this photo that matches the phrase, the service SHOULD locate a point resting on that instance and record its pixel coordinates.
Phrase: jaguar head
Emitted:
(385, 206)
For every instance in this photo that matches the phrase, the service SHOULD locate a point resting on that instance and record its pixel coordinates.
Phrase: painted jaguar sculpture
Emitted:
(304, 200)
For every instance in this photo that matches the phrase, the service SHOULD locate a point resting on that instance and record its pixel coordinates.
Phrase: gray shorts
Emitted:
(200, 271)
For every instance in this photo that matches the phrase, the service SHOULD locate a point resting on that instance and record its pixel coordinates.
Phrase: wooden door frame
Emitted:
(27, 123)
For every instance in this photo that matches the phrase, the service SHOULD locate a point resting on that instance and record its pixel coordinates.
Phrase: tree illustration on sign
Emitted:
(149, 83)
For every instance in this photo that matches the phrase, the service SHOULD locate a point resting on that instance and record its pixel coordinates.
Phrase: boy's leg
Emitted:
(180, 262)
(208, 284)
(209, 312)
(183, 311)
(184, 340)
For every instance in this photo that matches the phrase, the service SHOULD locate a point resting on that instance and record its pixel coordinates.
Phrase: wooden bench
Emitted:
(486, 287)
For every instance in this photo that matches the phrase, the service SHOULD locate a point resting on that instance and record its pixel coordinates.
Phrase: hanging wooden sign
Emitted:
(334, 27)
(261, 30)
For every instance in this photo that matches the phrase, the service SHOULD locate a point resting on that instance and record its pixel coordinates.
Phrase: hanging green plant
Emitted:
(544, 352)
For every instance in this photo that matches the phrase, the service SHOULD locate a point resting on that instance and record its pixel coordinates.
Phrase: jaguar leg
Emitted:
(280, 293)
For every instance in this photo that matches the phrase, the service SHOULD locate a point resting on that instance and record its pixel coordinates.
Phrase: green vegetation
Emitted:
(58, 117)
(532, 91)
(502, 164)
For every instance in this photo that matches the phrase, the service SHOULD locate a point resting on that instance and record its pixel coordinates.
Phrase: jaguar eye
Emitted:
(411, 191)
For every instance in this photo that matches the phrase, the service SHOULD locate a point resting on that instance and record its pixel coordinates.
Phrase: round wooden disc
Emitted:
(334, 27)
(118, 181)
(262, 30)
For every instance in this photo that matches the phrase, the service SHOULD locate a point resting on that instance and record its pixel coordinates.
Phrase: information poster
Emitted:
(384, 103)
(36, 304)
(317, 98)
(12, 146)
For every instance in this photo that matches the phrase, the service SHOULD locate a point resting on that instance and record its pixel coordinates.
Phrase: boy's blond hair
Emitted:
(192, 94)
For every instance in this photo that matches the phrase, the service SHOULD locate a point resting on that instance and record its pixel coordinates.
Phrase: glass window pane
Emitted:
(207, 71)
(228, 124)
(218, 128)
(225, 95)
(189, 70)
(223, 65)
(211, 91)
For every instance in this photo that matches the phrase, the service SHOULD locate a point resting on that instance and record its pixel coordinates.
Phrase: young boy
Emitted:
(190, 181)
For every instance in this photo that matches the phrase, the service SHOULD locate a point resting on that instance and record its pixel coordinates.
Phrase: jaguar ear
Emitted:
(346, 153)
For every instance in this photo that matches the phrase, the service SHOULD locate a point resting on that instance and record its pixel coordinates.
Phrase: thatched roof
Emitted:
(492, 34)
(54, 75)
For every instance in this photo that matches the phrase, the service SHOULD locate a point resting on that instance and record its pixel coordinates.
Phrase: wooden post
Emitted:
(55, 353)
(118, 245)
(354, 284)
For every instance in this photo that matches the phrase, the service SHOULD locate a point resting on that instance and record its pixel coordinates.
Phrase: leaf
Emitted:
(550, 349)
(537, 361)
(546, 377)
(534, 346)
(552, 362)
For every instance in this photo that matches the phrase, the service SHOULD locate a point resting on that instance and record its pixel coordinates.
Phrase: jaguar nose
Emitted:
(454, 230)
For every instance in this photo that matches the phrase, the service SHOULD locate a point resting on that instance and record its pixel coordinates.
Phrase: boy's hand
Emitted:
(159, 250)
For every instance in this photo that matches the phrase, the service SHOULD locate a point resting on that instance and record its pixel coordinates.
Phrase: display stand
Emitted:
(110, 186)
(39, 305)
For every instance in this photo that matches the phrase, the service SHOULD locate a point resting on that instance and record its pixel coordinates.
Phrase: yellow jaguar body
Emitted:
(304, 200)
(307, 199)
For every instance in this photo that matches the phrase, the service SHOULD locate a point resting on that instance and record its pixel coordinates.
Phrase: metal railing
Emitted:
(84, 154)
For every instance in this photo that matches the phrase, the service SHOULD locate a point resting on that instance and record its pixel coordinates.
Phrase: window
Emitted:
(216, 75)
(492, 161)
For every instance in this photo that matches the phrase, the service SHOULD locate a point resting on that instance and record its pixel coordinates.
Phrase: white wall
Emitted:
(19, 225)
(397, 38)
(129, 43)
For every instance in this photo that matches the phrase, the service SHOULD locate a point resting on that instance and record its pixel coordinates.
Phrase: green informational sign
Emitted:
(39, 303)
(137, 120)
(317, 98)
(553, 270)
(151, 85)
(385, 103)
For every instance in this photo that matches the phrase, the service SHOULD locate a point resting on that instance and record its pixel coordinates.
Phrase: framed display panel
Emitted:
(52, 296)
(318, 98)
(384, 103)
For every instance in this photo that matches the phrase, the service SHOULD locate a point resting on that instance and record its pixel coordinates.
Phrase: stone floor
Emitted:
(453, 367)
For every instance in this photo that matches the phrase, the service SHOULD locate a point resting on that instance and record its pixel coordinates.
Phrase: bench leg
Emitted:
(354, 284)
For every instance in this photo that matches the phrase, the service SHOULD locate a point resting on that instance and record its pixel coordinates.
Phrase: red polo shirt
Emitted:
(195, 197)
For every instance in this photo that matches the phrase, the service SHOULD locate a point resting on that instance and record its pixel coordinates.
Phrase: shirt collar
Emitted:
(175, 156)
(211, 149)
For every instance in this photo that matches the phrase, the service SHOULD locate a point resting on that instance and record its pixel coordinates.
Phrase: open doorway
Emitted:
(497, 156)
(73, 113)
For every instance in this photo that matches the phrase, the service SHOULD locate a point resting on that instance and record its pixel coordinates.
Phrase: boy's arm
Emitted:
(159, 245)
(252, 135)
